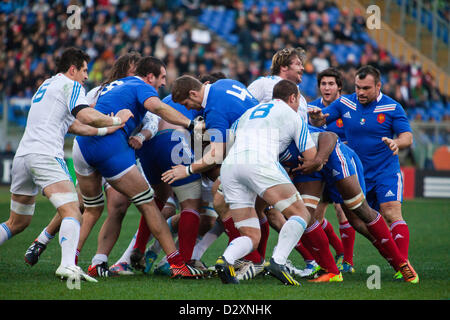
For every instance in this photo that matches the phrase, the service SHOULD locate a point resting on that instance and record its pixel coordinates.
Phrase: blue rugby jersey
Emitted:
(126, 93)
(226, 100)
(365, 125)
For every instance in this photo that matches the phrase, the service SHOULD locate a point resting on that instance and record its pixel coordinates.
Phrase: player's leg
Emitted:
(133, 185)
(333, 239)
(286, 199)
(21, 213)
(354, 199)
(64, 198)
(117, 205)
(91, 191)
(189, 196)
(314, 237)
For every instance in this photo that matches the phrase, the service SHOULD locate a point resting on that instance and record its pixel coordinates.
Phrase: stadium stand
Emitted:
(240, 40)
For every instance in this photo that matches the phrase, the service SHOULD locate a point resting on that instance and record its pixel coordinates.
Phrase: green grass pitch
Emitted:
(428, 222)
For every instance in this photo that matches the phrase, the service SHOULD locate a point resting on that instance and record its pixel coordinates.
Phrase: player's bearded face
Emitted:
(366, 89)
(295, 71)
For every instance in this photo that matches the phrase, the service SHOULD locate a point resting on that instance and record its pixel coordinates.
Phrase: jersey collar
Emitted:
(379, 96)
(205, 95)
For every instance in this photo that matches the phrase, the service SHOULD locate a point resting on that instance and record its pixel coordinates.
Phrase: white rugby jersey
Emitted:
(50, 116)
(262, 90)
(92, 95)
(266, 130)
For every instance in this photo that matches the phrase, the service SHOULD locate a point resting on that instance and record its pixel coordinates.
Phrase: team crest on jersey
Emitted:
(339, 123)
(381, 118)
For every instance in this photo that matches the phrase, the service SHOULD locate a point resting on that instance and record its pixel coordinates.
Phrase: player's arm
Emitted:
(319, 117)
(169, 114)
(404, 140)
(94, 118)
(402, 128)
(82, 129)
(326, 142)
(149, 129)
(209, 160)
(79, 107)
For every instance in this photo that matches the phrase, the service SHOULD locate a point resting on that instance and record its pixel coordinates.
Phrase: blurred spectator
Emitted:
(33, 35)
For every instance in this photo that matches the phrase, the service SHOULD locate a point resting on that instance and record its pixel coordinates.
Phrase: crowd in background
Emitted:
(33, 35)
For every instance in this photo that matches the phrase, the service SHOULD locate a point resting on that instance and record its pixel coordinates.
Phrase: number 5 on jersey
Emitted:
(40, 93)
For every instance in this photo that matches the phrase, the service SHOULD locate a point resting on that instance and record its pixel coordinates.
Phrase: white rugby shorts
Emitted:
(242, 182)
(32, 172)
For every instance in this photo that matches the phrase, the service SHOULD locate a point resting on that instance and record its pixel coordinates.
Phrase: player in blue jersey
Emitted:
(113, 158)
(330, 83)
(223, 103)
(346, 181)
(371, 119)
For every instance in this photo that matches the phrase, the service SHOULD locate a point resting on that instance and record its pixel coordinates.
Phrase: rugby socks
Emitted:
(99, 258)
(69, 234)
(307, 256)
(5, 233)
(384, 241)
(348, 240)
(207, 240)
(333, 239)
(316, 241)
(143, 234)
(237, 249)
(233, 233)
(265, 229)
(187, 232)
(289, 235)
(175, 259)
(126, 255)
(45, 237)
(400, 234)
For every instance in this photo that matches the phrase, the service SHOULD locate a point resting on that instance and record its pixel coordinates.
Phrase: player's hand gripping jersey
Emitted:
(335, 126)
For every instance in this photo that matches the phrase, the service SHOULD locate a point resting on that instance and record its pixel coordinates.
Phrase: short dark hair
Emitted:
(181, 87)
(212, 77)
(71, 57)
(147, 65)
(366, 70)
(331, 72)
(284, 89)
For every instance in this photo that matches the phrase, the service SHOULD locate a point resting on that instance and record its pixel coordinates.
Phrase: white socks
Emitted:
(45, 237)
(126, 255)
(288, 238)
(206, 241)
(69, 234)
(238, 248)
(5, 233)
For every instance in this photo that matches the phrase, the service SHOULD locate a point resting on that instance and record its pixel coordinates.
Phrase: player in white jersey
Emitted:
(39, 161)
(252, 169)
(287, 64)
(124, 66)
